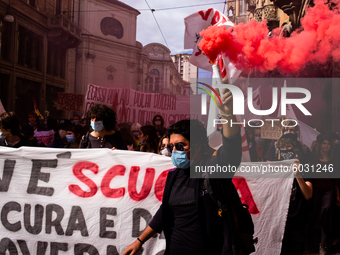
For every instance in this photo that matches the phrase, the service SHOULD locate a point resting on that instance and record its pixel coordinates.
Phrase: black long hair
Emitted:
(152, 141)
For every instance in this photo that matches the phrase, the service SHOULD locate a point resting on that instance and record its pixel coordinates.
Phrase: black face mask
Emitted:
(287, 154)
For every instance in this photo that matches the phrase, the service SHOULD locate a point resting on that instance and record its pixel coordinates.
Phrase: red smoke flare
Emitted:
(248, 46)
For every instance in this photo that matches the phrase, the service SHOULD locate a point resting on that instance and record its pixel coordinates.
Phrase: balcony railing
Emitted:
(63, 31)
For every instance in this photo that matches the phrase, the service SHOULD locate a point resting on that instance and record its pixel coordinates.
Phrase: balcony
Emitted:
(251, 5)
(63, 31)
(292, 9)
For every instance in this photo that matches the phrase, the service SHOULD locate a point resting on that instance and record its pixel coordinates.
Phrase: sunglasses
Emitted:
(178, 146)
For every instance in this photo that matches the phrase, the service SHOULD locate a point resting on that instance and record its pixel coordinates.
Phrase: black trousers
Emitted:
(293, 241)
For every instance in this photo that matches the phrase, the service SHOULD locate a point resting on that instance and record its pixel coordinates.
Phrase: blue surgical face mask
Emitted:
(70, 138)
(97, 126)
(180, 159)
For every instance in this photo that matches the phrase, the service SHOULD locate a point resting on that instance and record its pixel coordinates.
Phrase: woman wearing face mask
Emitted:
(302, 190)
(326, 191)
(163, 146)
(188, 215)
(104, 134)
(10, 135)
(60, 140)
(73, 136)
(148, 139)
(158, 123)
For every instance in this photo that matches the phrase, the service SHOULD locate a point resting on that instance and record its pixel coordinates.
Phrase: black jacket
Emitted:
(214, 229)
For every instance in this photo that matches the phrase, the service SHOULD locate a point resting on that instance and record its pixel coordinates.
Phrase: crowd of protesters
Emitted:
(98, 129)
(314, 211)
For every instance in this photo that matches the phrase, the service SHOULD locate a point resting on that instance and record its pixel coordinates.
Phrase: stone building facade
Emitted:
(63, 45)
(34, 53)
(110, 56)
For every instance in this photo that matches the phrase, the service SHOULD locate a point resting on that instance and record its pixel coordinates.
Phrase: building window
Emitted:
(231, 12)
(4, 85)
(243, 7)
(111, 26)
(56, 60)
(154, 79)
(58, 7)
(62, 62)
(30, 48)
(154, 72)
(5, 42)
(33, 3)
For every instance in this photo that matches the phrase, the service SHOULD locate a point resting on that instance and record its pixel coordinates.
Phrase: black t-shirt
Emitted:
(298, 206)
(115, 140)
(186, 235)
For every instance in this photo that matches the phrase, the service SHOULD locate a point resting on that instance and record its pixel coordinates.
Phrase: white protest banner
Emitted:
(98, 201)
(135, 106)
(266, 187)
(78, 201)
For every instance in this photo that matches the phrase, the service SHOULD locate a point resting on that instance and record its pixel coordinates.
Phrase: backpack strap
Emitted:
(85, 141)
(207, 185)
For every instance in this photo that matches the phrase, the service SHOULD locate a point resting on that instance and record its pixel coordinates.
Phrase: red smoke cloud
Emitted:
(248, 46)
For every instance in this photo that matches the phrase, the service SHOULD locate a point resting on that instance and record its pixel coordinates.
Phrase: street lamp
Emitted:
(8, 16)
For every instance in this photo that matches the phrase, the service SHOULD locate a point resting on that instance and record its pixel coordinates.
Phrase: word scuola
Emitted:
(224, 121)
(38, 176)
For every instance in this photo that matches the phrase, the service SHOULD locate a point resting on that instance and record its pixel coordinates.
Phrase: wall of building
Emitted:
(110, 56)
(33, 55)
